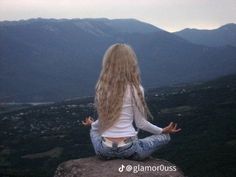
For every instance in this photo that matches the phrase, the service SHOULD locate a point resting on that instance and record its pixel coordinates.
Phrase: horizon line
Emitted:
(77, 18)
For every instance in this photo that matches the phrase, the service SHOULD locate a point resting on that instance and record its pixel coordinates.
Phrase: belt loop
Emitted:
(114, 145)
(129, 139)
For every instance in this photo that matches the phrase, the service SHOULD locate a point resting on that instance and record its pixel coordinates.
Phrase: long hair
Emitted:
(119, 69)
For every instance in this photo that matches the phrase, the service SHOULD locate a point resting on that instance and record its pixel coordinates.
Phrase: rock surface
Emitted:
(95, 167)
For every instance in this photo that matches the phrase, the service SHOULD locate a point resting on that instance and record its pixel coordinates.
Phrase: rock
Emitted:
(95, 167)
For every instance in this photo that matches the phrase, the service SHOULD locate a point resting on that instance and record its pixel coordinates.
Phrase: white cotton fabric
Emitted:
(123, 127)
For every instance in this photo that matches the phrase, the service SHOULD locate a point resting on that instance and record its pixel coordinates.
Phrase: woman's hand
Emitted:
(88, 121)
(171, 128)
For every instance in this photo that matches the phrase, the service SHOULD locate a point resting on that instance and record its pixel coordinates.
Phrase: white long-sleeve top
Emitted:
(123, 127)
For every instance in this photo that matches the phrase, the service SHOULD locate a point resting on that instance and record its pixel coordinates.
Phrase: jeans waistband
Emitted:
(125, 142)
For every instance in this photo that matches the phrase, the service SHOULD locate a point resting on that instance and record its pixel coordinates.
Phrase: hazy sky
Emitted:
(171, 15)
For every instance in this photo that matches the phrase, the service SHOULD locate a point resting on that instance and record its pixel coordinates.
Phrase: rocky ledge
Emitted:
(95, 167)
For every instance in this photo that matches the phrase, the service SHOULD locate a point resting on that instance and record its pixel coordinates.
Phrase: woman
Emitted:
(119, 101)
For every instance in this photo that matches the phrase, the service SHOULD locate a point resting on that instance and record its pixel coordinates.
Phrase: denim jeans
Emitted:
(139, 149)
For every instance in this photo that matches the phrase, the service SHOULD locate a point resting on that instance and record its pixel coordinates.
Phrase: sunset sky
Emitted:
(170, 15)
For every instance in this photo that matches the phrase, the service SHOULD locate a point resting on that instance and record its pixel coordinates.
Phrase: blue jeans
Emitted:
(139, 149)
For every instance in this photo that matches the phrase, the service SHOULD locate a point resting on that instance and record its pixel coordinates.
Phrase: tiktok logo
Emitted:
(121, 169)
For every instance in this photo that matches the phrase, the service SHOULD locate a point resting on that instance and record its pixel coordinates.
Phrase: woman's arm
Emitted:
(94, 125)
(143, 124)
(89, 121)
(140, 120)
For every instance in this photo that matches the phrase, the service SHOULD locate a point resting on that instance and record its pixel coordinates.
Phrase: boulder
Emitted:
(95, 167)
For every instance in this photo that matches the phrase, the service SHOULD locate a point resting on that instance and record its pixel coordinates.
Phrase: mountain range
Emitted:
(56, 59)
(224, 35)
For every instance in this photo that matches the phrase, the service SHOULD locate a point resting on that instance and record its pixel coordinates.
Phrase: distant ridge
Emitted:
(224, 35)
(122, 25)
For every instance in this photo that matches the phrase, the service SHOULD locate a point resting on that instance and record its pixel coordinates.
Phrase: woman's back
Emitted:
(123, 127)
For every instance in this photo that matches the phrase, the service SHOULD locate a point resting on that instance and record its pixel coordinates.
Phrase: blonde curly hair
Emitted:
(119, 69)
